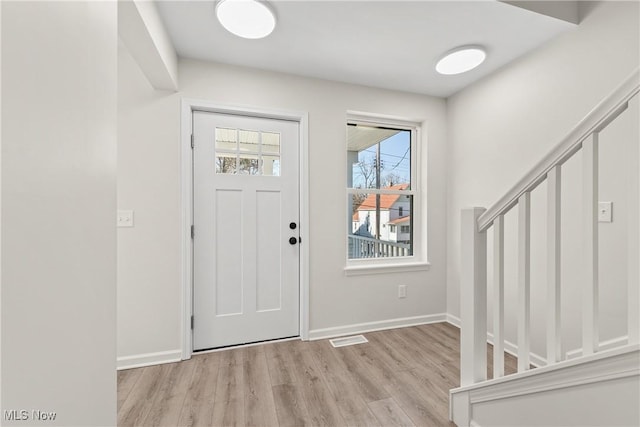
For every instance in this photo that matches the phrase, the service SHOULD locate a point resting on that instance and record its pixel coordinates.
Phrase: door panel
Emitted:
(245, 183)
(268, 274)
(228, 254)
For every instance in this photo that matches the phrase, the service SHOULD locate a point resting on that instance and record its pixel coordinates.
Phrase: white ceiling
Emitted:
(386, 44)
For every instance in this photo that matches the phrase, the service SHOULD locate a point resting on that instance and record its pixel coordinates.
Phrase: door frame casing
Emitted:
(189, 105)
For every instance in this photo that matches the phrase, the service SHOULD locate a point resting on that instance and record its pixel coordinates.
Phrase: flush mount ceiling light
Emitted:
(461, 59)
(250, 19)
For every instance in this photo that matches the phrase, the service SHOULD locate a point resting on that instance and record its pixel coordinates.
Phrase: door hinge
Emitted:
(192, 141)
(192, 232)
(192, 322)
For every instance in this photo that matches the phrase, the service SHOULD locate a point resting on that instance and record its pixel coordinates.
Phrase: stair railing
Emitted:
(473, 271)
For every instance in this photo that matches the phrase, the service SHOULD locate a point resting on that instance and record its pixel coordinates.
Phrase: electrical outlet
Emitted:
(402, 291)
(125, 219)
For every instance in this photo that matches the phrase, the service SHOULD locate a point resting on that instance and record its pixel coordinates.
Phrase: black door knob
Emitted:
(293, 240)
(292, 225)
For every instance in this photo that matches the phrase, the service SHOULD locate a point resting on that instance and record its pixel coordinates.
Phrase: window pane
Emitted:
(271, 165)
(226, 163)
(378, 157)
(226, 139)
(271, 143)
(376, 228)
(249, 141)
(247, 152)
(248, 164)
(395, 153)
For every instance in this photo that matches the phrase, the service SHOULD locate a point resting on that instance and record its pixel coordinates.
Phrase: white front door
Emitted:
(245, 245)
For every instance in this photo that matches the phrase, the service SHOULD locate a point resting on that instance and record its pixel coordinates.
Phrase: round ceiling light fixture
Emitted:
(249, 19)
(461, 59)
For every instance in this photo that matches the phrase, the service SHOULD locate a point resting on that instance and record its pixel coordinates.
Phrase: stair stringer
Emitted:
(599, 389)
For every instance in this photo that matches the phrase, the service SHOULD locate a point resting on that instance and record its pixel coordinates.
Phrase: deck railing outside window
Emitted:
(368, 247)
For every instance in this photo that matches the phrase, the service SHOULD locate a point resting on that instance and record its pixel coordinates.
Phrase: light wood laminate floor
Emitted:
(401, 377)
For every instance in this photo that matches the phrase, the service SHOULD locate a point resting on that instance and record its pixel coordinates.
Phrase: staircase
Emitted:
(601, 385)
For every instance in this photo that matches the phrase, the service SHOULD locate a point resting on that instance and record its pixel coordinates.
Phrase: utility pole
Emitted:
(378, 180)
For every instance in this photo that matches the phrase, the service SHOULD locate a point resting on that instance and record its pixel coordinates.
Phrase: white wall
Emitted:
(0, 207)
(501, 126)
(148, 181)
(59, 81)
(149, 292)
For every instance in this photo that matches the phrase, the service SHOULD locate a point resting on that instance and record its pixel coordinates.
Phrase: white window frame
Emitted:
(418, 260)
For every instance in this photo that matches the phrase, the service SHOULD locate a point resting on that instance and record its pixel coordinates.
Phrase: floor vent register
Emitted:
(345, 341)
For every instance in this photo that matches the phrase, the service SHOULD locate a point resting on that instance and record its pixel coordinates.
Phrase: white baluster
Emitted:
(633, 243)
(590, 244)
(498, 297)
(554, 181)
(524, 267)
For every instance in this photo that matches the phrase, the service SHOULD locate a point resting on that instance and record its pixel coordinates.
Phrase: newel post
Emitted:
(473, 299)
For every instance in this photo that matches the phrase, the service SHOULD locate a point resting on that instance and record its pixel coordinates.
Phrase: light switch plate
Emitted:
(402, 291)
(125, 218)
(605, 212)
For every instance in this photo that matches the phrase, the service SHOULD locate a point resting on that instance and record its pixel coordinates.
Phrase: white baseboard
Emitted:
(148, 359)
(509, 347)
(455, 321)
(358, 328)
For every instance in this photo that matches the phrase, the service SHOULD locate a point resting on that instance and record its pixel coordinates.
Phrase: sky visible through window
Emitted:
(395, 155)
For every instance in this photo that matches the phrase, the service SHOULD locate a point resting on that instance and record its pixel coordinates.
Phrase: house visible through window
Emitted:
(381, 191)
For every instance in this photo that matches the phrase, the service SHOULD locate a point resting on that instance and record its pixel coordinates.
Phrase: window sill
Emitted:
(359, 270)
